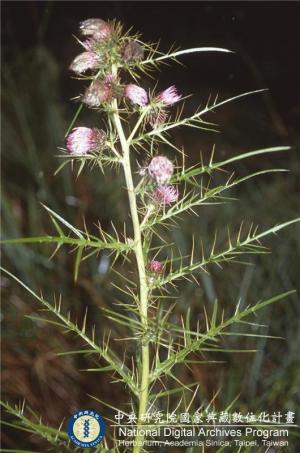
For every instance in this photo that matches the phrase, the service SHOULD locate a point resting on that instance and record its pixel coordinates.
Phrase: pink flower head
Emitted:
(83, 140)
(160, 169)
(159, 112)
(85, 61)
(137, 95)
(165, 195)
(155, 266)
(169, 96)
(96, 28)
(98, 92)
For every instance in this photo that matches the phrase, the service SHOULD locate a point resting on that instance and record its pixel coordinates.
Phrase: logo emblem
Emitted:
(86, 428)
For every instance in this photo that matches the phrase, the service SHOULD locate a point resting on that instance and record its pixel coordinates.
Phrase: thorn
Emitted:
(212, 156)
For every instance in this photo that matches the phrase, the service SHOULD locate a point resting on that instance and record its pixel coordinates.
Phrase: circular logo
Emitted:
(86, 428)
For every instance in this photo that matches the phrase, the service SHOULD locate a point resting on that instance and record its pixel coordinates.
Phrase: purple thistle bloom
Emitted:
(98, 92)
(97, 28)
(85, 61)
(83, 140)
(165, 195)
(159, 112)
(155, 266)
(160, 169)
(169, 96)
(137, 95)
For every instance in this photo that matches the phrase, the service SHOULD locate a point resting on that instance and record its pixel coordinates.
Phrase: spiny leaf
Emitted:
(196, 171)
(77, 262)
(108, 355)
(241, 247)
(68, 241)
(77, 113)
(64, 222)
(174, 55)
(155, 396)
(214, 315)
(189, 201)
(194, 119)
(195, 345)
(52, 435)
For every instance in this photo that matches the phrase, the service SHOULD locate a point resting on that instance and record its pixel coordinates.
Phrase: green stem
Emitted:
(138, 249)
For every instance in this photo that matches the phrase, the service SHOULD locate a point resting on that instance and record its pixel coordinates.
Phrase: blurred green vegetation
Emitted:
(34, 123)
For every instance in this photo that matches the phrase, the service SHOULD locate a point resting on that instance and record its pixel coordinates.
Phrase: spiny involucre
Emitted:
(159, 112)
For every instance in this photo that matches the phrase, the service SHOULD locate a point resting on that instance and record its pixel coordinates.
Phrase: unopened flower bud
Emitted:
(133, 51)
(84, 62)
(155, 266)
(96, 28)
(160, 169)
(165, 195)
(169, 96)
(137, 95)
(83, 140)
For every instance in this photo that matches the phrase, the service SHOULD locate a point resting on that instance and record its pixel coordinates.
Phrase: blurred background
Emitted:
(37, 48)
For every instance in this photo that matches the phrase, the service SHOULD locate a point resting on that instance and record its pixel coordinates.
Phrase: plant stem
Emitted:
(138, 249)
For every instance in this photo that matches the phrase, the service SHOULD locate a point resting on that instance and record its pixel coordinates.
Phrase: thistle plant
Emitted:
(132, 134)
